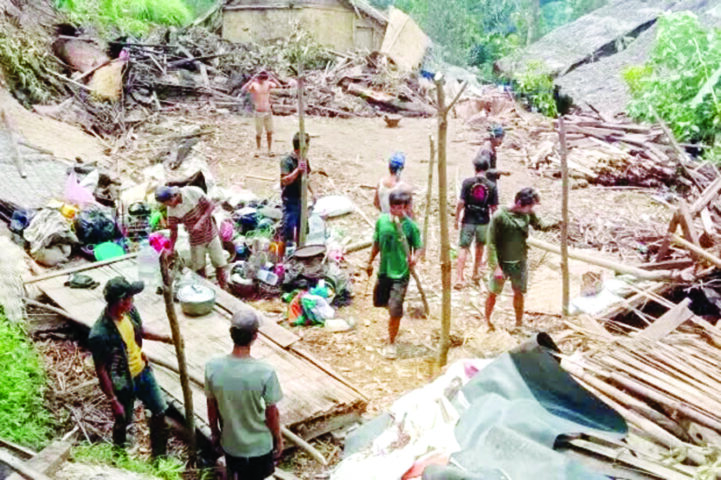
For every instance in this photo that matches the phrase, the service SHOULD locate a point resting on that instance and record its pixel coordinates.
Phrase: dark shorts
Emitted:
(145, 389)
(291, 220)
(471, 232)
(516, 271)
(249, 468)
(390, 293)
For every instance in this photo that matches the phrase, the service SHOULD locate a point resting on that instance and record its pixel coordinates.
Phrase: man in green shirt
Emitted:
(508, 250)
(398, 240)
(242, 393)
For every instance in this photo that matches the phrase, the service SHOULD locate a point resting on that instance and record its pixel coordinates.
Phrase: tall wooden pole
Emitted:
(564, 216)
(303, 223)
(443, 217)
(180, 353)
(429, 191)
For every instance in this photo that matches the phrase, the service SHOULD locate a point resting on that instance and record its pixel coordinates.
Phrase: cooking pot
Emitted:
(196, 300)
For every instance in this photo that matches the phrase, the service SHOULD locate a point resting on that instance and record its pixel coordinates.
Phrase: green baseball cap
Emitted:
(119, 288)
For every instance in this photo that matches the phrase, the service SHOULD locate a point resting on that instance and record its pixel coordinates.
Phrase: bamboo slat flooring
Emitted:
(312, 391)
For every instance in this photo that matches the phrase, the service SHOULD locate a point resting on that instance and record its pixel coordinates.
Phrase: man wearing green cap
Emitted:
(116, 341)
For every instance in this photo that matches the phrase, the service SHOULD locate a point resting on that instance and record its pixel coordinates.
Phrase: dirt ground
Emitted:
(352, 155)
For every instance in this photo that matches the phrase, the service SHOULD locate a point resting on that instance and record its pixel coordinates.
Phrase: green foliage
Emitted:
(106, 454)
(128, 16)
(535, 87)
(23, 417)
(681, 80)
(24, 63)
(479, 32)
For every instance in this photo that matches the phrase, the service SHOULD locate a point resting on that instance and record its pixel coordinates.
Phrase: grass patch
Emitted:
(23, 416)
(106, 454)
(135, 17)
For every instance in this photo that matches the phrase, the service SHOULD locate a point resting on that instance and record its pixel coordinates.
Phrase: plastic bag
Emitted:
(93, 226)
(75, 193)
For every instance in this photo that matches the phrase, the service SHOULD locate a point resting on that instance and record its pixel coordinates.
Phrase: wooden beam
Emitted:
(666, 244)
(565, 297)
(660, 275)
(49, 460)
(20, 467)
(706, 196)
(667, 323)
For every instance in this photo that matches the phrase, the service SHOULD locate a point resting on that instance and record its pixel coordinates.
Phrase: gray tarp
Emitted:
(511, 414)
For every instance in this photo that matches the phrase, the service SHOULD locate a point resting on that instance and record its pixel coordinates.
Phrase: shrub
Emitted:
(680, 82)
(23, 417)
(535, 87)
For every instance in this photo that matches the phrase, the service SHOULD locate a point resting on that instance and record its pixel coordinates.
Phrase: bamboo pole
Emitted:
(716, 261)
(443, 218)
(657, 275)
(303, 223)
(429, 190)
(443, 215)
(180, 353)
(564, 217)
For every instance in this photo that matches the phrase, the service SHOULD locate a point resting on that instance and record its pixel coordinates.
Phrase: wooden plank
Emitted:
(667, 323)
(666, 245)
(686, 221)
(21, 467)
(86, 266)
(48, 461)
(675, 264)
(710, 193)
(707, 222)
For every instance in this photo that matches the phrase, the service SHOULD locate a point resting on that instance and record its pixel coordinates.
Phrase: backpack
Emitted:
(478, 196)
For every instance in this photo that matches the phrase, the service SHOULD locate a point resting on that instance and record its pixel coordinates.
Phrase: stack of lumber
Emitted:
(608, 153)
(663, 381)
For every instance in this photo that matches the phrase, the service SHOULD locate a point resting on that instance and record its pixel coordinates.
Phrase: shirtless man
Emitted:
(259, 89)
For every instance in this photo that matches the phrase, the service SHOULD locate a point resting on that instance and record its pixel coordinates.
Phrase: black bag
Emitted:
(94, 226)
(478, 197)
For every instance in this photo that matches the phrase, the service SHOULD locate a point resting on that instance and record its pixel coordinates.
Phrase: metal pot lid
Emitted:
(195, 293)
(309, 251)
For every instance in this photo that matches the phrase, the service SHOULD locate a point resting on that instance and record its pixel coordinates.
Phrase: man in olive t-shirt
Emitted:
(242, 393)
(398, 255)
(508, 250)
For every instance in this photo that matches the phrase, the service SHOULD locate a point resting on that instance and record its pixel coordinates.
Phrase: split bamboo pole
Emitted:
(303, 223)
(564, 218)
(429, 191)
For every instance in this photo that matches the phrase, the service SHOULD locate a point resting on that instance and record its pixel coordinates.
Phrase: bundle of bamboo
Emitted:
(663, 382)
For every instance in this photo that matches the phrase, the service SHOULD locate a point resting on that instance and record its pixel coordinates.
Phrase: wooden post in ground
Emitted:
(429, 191)
(180, 353)
(303, 223)
(443, 215)
(564, 217)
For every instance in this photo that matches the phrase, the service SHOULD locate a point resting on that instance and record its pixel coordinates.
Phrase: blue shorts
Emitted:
(291, 221)
(145, 389)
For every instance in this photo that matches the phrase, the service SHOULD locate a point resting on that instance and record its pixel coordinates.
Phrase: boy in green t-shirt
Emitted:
(398, 240)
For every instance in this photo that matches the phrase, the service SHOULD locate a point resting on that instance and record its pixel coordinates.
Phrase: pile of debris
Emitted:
(170, 68)
(609, 153)
(664, 382)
